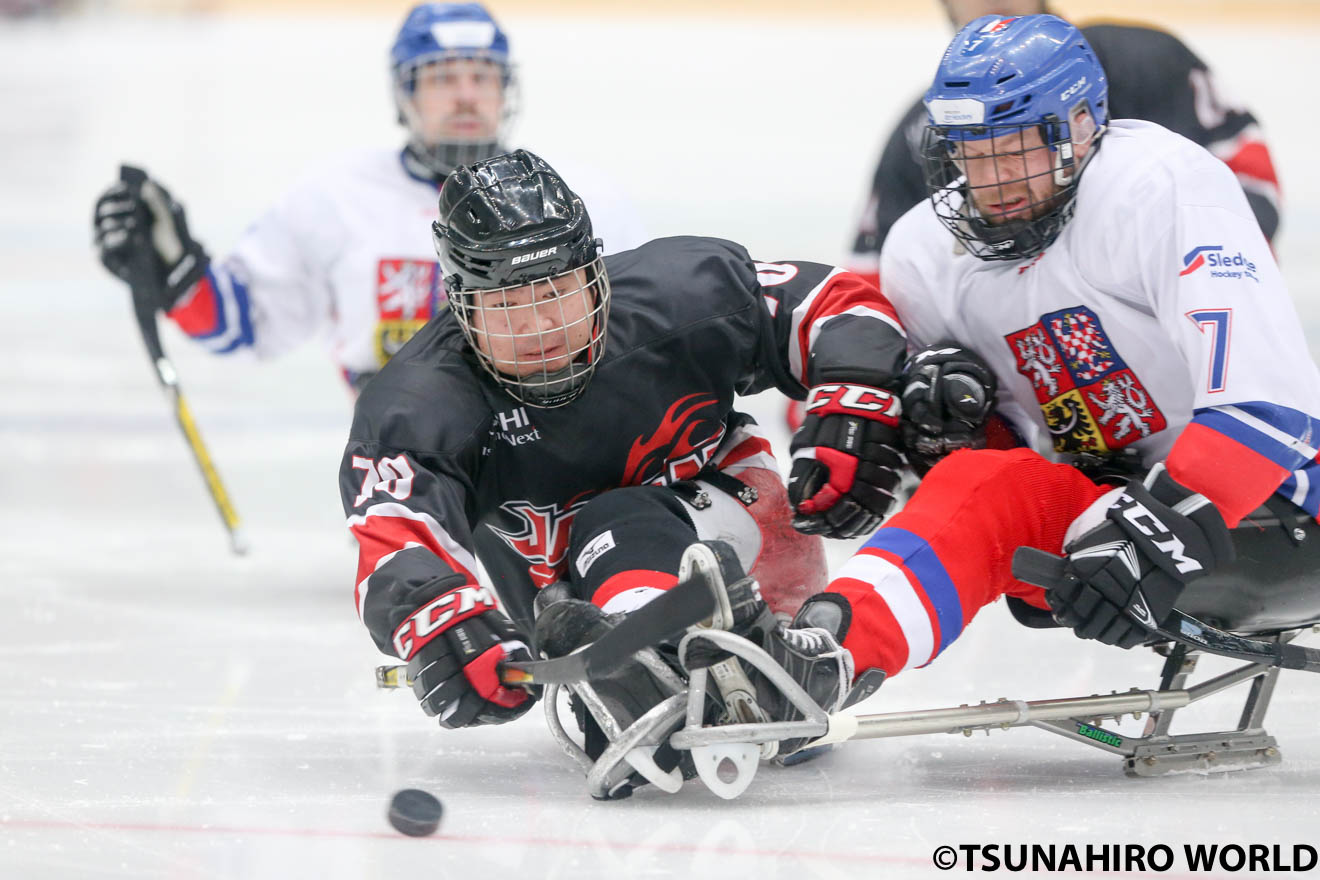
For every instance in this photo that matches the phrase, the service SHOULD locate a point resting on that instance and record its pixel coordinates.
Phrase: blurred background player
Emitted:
(347, 248)
(578, 464)
(1109, 277)
(1152, 76)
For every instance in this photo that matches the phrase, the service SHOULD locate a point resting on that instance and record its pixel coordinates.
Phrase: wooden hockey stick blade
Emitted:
(145, 297)
(661, 618)
(1047, 570)
(657, 620)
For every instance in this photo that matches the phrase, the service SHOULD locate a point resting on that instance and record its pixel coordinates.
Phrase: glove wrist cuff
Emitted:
(180, 278)
(859, 401)
(439, 615)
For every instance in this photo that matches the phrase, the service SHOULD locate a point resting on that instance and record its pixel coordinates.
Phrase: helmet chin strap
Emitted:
(1082, 132)
(1064, 164)
(552, 389)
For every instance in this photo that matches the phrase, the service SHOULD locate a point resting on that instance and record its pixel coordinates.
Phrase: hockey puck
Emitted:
(414, 812)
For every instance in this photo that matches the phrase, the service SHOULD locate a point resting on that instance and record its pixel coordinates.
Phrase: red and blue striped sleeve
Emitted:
(1238, 454)
(217, 312)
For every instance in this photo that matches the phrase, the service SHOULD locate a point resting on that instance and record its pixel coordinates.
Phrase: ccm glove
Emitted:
(947, 396)
(138, 228)
(845, 461)
(1125, 574)
(454, 645)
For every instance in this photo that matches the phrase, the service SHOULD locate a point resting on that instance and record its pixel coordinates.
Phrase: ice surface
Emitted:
(171, 711)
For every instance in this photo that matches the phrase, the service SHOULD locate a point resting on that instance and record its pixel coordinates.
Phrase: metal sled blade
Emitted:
(727, 755)
(739, 759)
(1154, 753)
(642, 759)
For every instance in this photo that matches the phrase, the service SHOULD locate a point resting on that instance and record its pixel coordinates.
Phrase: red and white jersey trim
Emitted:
(745, 447)
(392, 528)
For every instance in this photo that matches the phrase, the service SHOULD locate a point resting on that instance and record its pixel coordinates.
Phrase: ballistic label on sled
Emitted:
(1099, 735)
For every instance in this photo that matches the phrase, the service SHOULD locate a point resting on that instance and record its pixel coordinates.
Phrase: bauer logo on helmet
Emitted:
(537, 255)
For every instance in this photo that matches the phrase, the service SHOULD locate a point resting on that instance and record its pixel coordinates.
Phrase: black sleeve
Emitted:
(825, 324)
(406, 489)
(898, 184)
(1154, 76)
(790, 325)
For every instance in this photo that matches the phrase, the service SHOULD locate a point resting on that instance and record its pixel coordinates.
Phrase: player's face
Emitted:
(1010, 177)
(458, 99)
(537, 328)
(962, 12)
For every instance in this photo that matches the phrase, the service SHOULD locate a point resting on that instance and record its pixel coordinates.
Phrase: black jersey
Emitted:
(437, 450)
(1152, 76)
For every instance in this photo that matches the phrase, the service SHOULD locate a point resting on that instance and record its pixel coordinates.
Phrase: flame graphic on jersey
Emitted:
(671, 453)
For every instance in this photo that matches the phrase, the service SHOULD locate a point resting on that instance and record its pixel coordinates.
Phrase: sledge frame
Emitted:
(1156, 752)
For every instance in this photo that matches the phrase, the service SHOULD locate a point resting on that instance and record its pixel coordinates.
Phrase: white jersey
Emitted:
(348, 253)
(1159, 302)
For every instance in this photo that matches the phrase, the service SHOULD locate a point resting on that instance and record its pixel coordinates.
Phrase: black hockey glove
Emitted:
(949, 392)
(845, 461)
(1126, 573)
(454, 645)
(143, 226)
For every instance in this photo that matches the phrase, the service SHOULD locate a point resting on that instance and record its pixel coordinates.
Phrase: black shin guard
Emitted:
(638, 528)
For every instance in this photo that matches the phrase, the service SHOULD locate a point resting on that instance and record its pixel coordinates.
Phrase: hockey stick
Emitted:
(662, 618)
(144, 286)
(1047, 570)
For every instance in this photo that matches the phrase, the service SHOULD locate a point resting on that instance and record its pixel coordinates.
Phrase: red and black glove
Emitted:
(845, 461)
(454, 645)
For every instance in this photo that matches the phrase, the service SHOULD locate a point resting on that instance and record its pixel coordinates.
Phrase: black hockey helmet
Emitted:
(511, 223)
(509, 220)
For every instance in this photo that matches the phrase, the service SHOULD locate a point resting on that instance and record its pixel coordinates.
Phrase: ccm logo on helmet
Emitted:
(1073, 89)
(527, 258)
(437, 615)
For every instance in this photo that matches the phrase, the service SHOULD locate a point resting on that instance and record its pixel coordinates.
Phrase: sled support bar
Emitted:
(1000, 714)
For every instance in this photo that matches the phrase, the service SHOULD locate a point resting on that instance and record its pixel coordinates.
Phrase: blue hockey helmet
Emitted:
(434, 33)
(1001, 79)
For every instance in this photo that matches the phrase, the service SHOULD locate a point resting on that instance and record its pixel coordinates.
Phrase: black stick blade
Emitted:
(662, 618)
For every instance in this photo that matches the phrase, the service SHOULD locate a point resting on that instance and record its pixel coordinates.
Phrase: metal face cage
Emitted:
(1006, 191)
(541, 341)
(441, 154)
